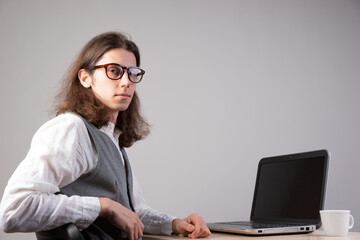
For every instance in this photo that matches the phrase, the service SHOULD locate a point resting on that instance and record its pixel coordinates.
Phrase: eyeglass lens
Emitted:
(116, 72)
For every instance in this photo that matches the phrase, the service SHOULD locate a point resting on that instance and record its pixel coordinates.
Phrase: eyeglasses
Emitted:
(115, 71)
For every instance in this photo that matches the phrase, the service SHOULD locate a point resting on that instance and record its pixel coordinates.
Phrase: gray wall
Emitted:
(227, 82)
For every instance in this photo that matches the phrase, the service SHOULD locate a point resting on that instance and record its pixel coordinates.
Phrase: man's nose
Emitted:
(124, 80)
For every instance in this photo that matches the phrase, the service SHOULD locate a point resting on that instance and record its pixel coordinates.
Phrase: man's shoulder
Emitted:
(68, 117)
(65, 120)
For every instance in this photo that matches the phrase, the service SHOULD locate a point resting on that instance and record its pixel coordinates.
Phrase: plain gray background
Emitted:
(227, 83)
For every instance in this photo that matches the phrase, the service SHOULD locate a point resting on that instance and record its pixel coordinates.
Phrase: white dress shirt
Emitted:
(61, 151)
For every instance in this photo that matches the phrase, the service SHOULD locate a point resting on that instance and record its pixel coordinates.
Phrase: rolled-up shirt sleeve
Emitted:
(56, 158)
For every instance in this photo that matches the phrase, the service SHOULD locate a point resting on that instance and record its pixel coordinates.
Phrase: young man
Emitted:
(77, 170)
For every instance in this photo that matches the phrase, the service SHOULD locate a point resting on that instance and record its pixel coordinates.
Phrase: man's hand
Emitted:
(192, 226)
(121, 217)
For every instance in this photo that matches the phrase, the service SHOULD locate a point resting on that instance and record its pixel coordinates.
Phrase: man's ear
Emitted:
(85, 78)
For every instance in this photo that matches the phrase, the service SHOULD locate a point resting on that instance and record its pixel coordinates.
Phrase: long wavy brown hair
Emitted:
(73, 97)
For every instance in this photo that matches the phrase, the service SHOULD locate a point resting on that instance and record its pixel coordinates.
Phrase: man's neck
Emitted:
(113, 117)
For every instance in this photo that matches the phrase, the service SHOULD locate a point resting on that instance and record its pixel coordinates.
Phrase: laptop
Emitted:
(289, 192)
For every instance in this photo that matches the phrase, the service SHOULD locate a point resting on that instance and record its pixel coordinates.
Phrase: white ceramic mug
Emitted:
(336, 222)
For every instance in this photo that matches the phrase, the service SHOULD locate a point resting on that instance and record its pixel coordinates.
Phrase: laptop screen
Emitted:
(290, 188)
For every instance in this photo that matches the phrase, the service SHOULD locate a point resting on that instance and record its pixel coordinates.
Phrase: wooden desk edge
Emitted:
(317, 235)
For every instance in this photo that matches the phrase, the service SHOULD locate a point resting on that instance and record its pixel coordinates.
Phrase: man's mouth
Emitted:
(123, 95)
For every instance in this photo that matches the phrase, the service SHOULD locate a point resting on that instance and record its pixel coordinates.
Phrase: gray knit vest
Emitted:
(109, 179)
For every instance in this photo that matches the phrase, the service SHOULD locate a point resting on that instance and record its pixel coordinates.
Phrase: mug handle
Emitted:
(351, 222)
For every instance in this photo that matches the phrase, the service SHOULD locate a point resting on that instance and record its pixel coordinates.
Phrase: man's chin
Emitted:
(116, 109)
(122, 108)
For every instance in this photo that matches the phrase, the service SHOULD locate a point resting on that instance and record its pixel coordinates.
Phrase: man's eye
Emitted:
(114, 71)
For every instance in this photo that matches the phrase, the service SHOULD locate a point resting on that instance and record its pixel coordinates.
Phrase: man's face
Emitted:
(116, 95)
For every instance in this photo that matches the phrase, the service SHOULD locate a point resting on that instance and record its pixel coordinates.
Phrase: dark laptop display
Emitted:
(289, 190)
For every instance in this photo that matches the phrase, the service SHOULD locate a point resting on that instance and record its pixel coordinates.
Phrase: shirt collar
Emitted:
(110, 130)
